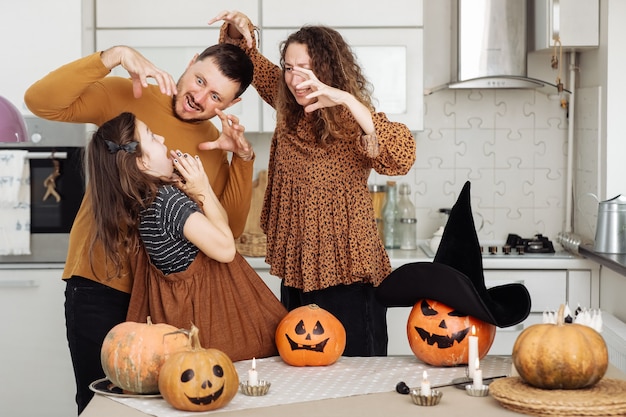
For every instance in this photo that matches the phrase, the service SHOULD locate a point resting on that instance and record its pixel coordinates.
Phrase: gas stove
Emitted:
(516, 244)
(515, 247)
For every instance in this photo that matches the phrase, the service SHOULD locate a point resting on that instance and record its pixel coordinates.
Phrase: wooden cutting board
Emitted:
(252, 241)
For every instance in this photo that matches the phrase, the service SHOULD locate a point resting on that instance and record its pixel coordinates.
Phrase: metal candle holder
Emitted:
(481, 391)
(255, 390)
(426, 400)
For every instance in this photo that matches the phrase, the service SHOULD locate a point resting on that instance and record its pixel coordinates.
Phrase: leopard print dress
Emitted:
(317, 213)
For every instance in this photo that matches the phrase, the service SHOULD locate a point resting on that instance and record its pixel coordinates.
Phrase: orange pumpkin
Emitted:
(561, 355)
(439, 335)
(132, 354)
(198, 379)
(310, 336)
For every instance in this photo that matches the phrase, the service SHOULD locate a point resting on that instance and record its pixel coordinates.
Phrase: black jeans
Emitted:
(356, 307)
(91, 310)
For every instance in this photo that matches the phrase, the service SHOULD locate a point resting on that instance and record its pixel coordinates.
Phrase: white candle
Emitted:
(253, 378)
(473, 352)
(478, 376)
(425, 387)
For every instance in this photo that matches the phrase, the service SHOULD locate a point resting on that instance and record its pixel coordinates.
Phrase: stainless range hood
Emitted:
(491, 45)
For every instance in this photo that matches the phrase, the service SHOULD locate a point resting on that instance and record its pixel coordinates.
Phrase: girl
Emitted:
(145, 198)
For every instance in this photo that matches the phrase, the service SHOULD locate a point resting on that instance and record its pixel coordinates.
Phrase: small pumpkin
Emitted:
(310, 336)
(132, 354)
(439, 335)
(198, 379)
(561, 355)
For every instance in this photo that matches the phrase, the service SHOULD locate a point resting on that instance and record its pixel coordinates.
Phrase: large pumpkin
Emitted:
(132, 354)
(439, 335)
(561, 355)
(310, 336)
(198, 379)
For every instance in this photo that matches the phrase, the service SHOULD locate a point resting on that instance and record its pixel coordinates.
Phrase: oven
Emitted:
(57, 186)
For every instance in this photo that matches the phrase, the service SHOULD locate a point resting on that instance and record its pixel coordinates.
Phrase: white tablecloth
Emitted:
(346, 377)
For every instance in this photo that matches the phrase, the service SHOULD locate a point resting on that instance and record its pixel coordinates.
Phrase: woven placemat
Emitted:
(606, 398)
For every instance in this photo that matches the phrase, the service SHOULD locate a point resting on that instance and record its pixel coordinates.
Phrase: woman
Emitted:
(317, 212)
(147, 199)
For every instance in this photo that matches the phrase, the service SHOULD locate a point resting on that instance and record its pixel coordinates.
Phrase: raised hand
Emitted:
(195, 182)
(238, 25)
(139, 68)
(232, 138)
(326, 96)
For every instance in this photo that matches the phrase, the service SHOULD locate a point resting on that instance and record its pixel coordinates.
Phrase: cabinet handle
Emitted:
(18, 283)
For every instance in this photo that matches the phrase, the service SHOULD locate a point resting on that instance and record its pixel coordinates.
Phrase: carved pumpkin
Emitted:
(561, 355)
(438, 335)
(198, 379)
(132, 354)
(310, 336)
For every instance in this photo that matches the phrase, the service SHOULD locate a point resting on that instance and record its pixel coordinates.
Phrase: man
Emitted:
(96, 294)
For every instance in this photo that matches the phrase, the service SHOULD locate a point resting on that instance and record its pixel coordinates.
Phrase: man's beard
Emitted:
(176, 115)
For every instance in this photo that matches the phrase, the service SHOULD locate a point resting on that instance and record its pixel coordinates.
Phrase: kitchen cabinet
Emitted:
(392, 30)
(37, 378)
(164, 14)
(548, 289)
(568, 283)
(37, 36)
(346, 13)
(576, 22)
(397, 79)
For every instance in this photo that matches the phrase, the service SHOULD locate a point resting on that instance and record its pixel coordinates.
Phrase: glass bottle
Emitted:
(378, 194)
(391, 218)
(408, 220)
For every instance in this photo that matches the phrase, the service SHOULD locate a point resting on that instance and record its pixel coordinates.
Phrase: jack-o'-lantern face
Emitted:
(310, 336)
(438, 334)
(198, 380)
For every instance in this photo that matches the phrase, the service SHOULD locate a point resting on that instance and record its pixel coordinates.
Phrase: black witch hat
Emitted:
(455, 277)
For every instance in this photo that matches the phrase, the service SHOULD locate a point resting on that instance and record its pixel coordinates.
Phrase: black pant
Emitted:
(91, 310)
(356, 307)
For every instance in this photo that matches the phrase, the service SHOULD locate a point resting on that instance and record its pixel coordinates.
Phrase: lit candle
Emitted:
(473, 352)
(252, 374)
(478, 376)
(425, 387)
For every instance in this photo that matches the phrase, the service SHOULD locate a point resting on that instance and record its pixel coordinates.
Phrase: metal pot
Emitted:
(611, 227)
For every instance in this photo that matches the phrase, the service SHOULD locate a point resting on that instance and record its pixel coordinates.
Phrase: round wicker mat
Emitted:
(606, 398)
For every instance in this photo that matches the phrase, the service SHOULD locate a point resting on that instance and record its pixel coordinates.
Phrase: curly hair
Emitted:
(333, 62)
(119, 190)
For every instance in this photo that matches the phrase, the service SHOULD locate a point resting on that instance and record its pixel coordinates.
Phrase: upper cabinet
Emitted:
(344, 13)
(171, 14)
(387, 38)
(170, 39)
(573, 23)
(391, 61)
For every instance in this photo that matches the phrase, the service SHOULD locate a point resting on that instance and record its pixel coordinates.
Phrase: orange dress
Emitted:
(230, 304)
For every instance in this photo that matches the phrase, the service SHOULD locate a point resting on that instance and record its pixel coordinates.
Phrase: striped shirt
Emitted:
(161, 230)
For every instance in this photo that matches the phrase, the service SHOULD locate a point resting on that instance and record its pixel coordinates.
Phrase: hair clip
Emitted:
(129, 147)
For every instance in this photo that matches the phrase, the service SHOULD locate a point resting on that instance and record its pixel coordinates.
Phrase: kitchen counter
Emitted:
(455, 402)
(399, 257)
(614, 261)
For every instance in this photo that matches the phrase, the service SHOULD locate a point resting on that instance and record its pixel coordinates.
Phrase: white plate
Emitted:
(105, 387)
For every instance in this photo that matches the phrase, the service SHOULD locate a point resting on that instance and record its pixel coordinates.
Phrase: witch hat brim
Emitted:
(455, 277)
